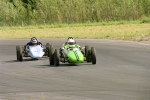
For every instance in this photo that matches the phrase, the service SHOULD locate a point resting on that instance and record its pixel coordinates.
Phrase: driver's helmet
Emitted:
(34, 41)
(71, 42)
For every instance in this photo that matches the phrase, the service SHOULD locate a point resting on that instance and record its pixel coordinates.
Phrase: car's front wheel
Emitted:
(93, 55)
(19, 53)
(56, 58)
(87, 53)
(51, 57)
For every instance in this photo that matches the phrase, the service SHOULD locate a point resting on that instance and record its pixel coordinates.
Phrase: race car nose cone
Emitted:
(36, 52)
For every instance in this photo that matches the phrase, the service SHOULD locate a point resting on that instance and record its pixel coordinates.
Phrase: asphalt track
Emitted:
(122, 72)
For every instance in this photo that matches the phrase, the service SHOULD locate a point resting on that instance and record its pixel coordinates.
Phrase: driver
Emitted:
(70, 44)
(32, 42)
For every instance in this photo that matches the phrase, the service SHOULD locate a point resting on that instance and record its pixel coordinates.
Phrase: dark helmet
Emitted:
(34, 41)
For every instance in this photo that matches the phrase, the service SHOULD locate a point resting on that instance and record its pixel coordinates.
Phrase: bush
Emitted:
(27, 12)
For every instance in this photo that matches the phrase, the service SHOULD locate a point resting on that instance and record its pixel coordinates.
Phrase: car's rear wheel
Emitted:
(19, 53)
(93, 55)
(47, 47)
(56, 58)
(47, 44)
(48, 50)
(51, 57)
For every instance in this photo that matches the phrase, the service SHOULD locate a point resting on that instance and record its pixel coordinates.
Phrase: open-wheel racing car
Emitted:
(34, 52)
(72, 55)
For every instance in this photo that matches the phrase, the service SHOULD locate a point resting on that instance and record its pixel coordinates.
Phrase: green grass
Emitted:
(121, 30)
(145, 20)
(33, 12)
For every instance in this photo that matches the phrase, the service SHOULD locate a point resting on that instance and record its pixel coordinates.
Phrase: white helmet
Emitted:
(71, 42)
(34, 41)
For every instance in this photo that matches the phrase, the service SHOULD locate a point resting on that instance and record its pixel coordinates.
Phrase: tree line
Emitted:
(33, 12)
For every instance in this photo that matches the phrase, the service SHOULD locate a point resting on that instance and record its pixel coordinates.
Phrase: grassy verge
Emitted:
(121, 30)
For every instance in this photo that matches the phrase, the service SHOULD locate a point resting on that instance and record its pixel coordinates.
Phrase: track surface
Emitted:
(122, 72)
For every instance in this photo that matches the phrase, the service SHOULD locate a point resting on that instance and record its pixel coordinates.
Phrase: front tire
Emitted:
(93, 55)
(56, 58)
(19, 53)
(87, 53)
(87, 48)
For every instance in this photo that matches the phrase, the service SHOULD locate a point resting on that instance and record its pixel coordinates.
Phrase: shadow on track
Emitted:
(65, 65)
(41, 66)
(12, 61)
(24, 60)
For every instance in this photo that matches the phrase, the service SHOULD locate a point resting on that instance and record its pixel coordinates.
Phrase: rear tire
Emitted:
(19, 53)
(48, 50)
(47, 44)
(93, 55)
(51, 57)
(56, 58)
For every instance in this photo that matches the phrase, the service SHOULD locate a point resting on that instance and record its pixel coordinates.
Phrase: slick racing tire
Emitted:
(51, 57)
(93, 55)
(87, 48)
(19, 53)
(47, 44)
(56, 58)
(48, 49)
(87, 53)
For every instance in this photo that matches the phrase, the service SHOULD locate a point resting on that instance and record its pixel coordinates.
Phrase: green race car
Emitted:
(72, 55)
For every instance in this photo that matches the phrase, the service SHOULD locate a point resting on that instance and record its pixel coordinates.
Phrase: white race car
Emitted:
(34, 52)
